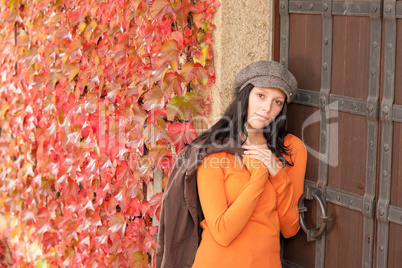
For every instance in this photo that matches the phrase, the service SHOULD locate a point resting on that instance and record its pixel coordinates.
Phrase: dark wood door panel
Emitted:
(395, 246)
(305, 46)
(348, 148)
(398, 59)
(297, 249)
(344, 243)
(396, 184)
(334, 50)
(308, 132)
(351, 56)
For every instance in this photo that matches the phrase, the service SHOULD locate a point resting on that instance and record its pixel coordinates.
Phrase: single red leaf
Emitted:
(199, 57)
(117, 224)
(123, 171)
(188, 32)
(154, 133)
(62, 32)
(136, 139)
(115, 244)
(154, 99)
(155, 115)
(209, 13)
(101, 236)
(196, 71)
(181, 133)
(170, 53)
(162, 8)
(183, 8)
(178, 36)
(198, 18)
(149, 207)
(173, 81)
(162, 157)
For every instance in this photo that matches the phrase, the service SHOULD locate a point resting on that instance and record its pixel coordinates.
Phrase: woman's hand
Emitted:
(262, 153)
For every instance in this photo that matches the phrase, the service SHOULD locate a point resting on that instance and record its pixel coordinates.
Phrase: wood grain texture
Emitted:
(398, 72)
(344, 238)
(351, 139)
(297, 115)
(305, 50)
(351, 56)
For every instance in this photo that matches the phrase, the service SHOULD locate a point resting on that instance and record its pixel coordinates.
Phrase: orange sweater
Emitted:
(245, 209)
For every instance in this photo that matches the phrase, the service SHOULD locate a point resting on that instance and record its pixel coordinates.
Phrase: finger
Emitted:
(259, 159)
(262, 146)
(266, 152)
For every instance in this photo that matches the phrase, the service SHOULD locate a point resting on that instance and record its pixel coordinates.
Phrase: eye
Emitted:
(279, 102)
(261, 96)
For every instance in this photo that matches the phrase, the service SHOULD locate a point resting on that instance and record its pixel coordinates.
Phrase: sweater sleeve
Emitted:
(289, 187)
(226, 222)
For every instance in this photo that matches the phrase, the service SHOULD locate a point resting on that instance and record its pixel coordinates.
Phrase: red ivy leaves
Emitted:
(186, 107)
(181, 134)
(94, 96)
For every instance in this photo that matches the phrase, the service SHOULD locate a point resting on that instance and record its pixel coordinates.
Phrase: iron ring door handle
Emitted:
(315, 233)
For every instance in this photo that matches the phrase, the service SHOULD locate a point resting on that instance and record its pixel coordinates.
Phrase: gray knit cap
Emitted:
(267, 74)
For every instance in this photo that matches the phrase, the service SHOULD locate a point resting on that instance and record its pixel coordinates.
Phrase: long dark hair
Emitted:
(232, 124)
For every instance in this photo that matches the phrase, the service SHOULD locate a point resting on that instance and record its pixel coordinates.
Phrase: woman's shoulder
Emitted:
(294, 143)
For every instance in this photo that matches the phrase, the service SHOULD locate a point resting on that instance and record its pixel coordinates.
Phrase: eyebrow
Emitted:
(263, 91)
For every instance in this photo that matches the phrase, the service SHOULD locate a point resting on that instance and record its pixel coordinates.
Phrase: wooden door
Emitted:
(347, 58)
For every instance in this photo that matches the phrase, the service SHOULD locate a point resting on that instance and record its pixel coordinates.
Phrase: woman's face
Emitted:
(264, 104)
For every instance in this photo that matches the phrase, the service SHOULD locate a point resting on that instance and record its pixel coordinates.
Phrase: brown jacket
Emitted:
(179, 230)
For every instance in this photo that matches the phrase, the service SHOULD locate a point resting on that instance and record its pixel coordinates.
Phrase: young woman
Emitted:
(246, 199)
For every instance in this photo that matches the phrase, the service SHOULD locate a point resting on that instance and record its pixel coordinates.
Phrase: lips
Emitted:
(262, 117)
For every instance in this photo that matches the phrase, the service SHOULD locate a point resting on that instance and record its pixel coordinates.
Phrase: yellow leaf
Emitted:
(4, 109)
(82, 27)
(102, 84)
(97, 60)
(199, 57)
(164, 72)
(65, 57)
(42, 264)
(73, 74)
(205, 51)
(94, 25)
(56, 18)
(89, 30)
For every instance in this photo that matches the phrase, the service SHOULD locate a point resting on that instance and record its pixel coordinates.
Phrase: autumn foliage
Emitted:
(93, 96)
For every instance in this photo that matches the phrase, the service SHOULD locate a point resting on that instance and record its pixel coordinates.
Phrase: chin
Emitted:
(258, 126)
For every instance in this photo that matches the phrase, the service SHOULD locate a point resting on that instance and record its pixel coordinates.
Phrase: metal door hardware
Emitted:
(315, 233)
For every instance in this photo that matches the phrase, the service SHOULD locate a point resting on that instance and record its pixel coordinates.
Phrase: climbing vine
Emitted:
(94, 94)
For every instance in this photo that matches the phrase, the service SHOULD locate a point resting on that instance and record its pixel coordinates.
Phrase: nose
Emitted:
(266, 107)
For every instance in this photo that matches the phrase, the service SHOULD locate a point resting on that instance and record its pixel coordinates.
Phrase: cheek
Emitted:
(249, 111)
(276, 111)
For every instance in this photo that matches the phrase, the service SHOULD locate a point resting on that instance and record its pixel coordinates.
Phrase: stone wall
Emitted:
(243, 35)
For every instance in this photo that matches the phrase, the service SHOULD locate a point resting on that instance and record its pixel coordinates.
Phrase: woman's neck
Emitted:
(255, 138)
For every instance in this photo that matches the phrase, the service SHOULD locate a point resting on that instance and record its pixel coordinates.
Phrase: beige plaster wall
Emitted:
(243, 35)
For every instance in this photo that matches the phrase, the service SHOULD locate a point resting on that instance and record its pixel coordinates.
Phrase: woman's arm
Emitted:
(226, 222)
(289, 187)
